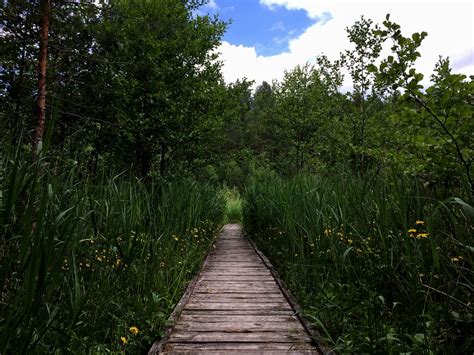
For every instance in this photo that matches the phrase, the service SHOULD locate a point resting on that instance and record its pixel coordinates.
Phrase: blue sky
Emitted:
(267, 37)
(267, 29)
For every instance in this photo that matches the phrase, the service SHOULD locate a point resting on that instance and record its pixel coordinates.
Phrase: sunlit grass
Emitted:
(233, 205)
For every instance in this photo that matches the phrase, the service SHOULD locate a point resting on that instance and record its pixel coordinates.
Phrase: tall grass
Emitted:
(378, 266)
(83, 259)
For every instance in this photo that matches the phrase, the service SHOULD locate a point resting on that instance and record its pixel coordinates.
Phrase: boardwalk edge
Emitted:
(158, 345)
(312, 332)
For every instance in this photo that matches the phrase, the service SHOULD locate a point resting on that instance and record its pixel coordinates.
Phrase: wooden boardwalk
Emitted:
(235, 306)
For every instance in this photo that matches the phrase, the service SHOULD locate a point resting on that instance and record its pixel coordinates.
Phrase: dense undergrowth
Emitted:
(95, 264)
(379, 266)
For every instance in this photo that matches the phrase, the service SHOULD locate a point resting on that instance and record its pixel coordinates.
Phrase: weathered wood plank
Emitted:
(244, 297)
(234, 265)
(244, 347)
(211, 290)
(238, 279)
(237, 306)
(235, 270)
(244, 337)
(216, 290)
(237, 318)
(236, 273)
(240, 327)
(271, 283)
(249, 312)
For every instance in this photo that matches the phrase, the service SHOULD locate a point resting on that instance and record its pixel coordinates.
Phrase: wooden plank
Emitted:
(244, 347)
(237, 278)
(218, 318)
(219, 290)
(262, 337)
(213, 269)
(237, 306)
(235, 273)
(256, 301)
(237, 260)
(239, 292)
(239, 327)
(246, 312)
(237, 283)
(243, 264)
(239, 296)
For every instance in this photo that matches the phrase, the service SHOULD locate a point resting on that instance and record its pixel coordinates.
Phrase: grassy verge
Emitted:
(95, 264)
(378, 267)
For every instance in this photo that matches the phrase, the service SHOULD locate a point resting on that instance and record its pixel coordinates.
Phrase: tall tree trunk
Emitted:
(43, 60)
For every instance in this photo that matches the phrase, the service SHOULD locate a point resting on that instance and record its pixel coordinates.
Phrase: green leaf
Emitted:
(371, 68)
(468, 209)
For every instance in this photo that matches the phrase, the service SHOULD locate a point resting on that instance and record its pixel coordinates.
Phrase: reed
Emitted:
(84, 259)
(380, 265)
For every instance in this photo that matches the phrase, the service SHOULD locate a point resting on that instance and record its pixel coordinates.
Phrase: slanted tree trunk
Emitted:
(43, 60)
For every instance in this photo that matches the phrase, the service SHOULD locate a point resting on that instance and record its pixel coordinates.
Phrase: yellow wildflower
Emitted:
(124, 340)
(412, 230)
(419, 222)
(423, 235)
(327, 232)
(455, 259)
(134, 330)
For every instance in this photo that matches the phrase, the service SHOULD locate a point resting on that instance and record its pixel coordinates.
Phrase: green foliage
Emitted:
(379, 265)
(85, 258)
(233, 205)
(446, 106)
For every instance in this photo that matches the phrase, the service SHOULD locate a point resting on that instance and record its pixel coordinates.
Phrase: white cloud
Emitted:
(449, 25)
(212, 5)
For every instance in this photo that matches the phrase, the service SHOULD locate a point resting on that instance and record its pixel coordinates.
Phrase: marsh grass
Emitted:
(83, 259)
(379, 266)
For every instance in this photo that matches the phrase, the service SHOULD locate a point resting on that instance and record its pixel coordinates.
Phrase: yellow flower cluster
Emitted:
(418, 232)
(134, 330)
